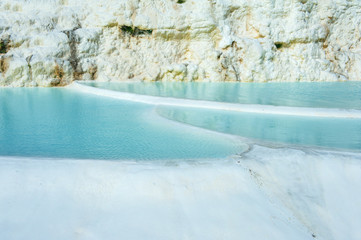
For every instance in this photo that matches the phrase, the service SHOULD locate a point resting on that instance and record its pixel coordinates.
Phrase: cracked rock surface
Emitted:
(53, 42)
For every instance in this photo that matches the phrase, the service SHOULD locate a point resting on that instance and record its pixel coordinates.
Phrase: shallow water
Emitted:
(62, 123)
(345, 95)
(340, 133)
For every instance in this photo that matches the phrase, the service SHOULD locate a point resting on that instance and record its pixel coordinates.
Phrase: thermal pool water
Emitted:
(344, 95)
(74, 165)
(62, 123)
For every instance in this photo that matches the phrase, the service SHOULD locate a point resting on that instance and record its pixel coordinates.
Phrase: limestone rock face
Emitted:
(53, 42)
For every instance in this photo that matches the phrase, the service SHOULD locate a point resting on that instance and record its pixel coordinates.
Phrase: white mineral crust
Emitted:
(269, 193)
(53, 42)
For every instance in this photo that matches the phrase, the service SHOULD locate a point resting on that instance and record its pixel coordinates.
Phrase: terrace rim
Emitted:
(213, 105)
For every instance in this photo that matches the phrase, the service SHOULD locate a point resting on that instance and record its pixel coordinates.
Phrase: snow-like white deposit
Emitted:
(53, 42)
(321, 188)
(266, 193)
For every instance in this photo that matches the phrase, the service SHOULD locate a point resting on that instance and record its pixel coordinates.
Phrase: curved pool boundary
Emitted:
(213, 105)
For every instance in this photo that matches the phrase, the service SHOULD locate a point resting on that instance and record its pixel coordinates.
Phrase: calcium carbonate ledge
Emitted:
(246, 108)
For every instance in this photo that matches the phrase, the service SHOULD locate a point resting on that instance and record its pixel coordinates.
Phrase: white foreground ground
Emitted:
(264, 194)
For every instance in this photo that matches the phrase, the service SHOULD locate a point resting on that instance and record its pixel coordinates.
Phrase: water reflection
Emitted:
(345, 95)
(326, 132)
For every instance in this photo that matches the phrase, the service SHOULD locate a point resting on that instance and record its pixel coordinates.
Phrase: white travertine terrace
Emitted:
(269, 193)
(246, 108)
(53, 42)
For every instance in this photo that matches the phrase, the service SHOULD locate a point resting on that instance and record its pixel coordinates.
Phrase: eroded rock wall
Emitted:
(53, 42)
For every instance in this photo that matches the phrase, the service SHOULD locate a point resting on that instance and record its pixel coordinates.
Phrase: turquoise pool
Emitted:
(345, 95)
(62, 123)
(333, 126)
(339, 133)
(66, 123)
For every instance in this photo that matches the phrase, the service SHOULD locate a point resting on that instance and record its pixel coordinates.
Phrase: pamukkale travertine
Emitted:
(53, 42)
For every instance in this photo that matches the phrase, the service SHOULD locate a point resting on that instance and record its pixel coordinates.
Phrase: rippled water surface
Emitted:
(345, 95)
(63, 123)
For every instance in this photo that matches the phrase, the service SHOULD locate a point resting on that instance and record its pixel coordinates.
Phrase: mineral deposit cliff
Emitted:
(53, 42)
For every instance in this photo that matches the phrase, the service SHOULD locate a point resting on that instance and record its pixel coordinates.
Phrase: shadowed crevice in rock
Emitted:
(4, 45)
(93, 72)
(279, 45)
(73, 59)
(59, 75)
(28, 60)
(236, 73)
(3, 64)
(134, 31)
